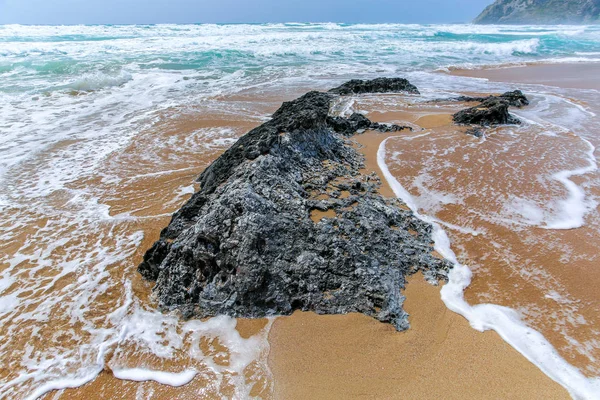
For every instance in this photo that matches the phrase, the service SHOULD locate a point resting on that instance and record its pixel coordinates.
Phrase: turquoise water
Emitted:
(49, 58)
(140, 70)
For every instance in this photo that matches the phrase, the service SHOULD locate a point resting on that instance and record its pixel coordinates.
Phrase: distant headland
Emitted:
(541, 12)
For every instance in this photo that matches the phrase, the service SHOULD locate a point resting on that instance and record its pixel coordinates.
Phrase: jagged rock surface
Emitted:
(490, 112)
(493, 110)
(358, 122)
(516, 98)
(379, 85)
(540, 12)
(245, 245)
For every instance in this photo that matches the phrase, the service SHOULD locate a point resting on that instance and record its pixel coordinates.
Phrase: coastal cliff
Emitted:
(541, 12)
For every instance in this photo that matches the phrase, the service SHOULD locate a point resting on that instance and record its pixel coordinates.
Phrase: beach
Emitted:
(519, 206)
(433, 327)
(572, 76)
(354, 356)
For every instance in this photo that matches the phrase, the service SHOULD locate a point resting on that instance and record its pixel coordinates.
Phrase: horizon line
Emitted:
(246, 23)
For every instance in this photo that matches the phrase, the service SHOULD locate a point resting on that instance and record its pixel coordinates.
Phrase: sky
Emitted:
(236, 11)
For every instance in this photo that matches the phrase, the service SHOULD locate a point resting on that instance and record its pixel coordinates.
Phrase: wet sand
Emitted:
(440, 356)
(552, 274)
(148, 194)
(574, 76)
(354, 356)
(205, 385)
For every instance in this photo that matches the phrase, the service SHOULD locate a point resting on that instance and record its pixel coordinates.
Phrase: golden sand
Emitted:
(439, 357)
(106, 386)
(567, 259)
(525, 269)
(575, 76)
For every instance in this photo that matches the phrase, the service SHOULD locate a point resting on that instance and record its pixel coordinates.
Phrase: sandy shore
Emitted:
(353, 356)
(574, 76)
(441, 356)
(569, 257)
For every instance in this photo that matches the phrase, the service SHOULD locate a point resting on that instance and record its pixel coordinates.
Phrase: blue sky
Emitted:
(217, 11)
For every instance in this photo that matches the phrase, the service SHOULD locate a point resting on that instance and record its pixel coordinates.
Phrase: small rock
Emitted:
(515, 98)
(477, 132)
(492, 111)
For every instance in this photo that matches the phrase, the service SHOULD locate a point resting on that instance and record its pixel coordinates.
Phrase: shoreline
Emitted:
(325, 343)
(563, 75)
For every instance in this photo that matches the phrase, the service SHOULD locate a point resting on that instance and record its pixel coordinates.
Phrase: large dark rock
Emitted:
(379, 85)
(254, 241)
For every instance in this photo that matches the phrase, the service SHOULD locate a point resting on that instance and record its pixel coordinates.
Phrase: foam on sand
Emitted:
(166, 378)
(102, 128)
(165, 336)
(503, 320)
(554, 115)
(575, 206)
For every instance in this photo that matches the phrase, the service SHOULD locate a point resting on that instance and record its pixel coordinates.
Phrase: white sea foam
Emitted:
(162, 335)
(524, 211)
(8, 303)
(552, 114)
(503, 320)
(575, 206)
(503, 64)
(61, 383)
(461, 229)
(166, 378)
(97, 80)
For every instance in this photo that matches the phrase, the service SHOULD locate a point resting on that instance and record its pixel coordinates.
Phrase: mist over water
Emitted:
(104, 128)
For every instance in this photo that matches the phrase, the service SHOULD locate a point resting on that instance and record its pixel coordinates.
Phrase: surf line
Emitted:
(482, 317)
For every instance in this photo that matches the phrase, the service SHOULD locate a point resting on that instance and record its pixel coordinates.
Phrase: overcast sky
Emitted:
(221, 11)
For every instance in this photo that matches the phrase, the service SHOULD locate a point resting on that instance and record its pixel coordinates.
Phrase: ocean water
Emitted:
(104, 128)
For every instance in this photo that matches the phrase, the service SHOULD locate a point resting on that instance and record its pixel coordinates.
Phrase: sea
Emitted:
(104, 128)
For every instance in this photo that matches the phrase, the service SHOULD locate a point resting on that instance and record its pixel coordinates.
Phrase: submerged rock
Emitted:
(255, 240)
(358, 122)
(475, 131)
